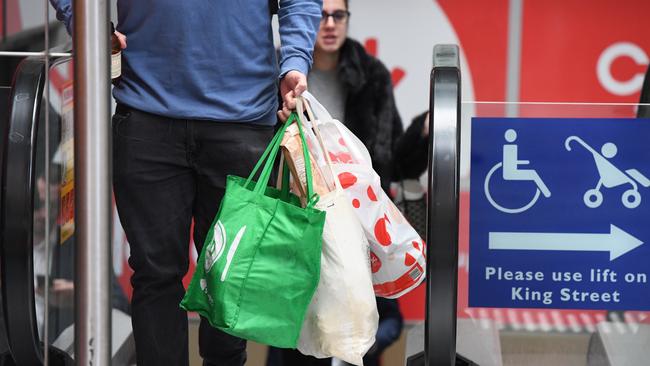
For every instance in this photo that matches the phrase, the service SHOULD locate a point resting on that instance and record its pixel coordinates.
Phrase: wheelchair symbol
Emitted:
(511, 172)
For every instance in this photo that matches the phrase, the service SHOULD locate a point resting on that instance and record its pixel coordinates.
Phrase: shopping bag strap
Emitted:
(318, 109)
(284, 188)
(312, 198)
(303, 105)
(268, 159)
(268, 151)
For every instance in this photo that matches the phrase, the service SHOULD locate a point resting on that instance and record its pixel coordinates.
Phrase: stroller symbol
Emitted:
(611, 176)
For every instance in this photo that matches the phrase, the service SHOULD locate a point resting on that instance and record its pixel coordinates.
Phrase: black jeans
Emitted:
(166, 172)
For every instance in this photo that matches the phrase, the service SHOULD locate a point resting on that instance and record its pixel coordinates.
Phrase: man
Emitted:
(197, 101)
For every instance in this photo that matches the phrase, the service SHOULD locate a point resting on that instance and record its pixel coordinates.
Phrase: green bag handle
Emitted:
(265, 176)
(269, 149)
(284, 189)
(269, 156)
(266, 153)
(266, 173)
(312, 197)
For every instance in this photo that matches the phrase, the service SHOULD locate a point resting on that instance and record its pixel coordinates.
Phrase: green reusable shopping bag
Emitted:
(260, 263)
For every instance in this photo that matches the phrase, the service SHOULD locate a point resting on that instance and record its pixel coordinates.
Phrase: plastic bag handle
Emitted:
(303, 105)
(319, 110)
(354, 145)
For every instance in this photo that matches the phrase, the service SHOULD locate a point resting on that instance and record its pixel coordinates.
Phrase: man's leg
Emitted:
(221, 149)
(154, 190)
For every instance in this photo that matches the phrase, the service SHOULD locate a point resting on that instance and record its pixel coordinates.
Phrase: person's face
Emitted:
(333, 26)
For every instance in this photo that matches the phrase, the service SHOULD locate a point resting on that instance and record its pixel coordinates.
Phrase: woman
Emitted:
(356, 89)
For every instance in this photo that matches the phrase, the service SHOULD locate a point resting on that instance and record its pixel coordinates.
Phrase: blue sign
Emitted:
(560, 213)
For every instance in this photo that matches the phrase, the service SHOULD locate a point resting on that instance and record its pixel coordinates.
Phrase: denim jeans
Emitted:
(167, 172)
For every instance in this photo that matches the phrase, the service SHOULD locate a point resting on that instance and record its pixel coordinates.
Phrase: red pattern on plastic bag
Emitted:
(381, 232)
(341, 157)
(375, 262)
(347, 179)
(416, 245)
(410, 278)
(371, 194)
(408, 260)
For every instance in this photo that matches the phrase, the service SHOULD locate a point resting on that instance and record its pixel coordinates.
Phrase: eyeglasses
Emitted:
(339, 16)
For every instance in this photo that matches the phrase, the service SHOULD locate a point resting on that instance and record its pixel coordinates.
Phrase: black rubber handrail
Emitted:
(442, 213)
(17, 211)
(17, 214)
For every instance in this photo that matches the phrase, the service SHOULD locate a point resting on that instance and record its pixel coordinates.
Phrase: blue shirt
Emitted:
(208, 59)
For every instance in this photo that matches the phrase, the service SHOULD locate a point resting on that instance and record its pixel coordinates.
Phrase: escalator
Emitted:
(36, 212)
(37, 231)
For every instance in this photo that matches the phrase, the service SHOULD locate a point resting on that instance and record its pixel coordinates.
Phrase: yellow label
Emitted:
(66, 203)
(67, 211)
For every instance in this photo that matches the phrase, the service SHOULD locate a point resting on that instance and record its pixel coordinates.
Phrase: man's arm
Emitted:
(299, 22)
(64, 12)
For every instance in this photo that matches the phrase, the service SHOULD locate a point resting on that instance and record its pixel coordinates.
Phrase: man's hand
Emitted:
(122, 39)
(291, 86)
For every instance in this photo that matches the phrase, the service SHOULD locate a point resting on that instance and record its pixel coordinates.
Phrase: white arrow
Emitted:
(617, 242)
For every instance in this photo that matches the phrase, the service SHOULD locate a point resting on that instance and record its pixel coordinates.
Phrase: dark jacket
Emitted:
(412, 150)
(370, 110)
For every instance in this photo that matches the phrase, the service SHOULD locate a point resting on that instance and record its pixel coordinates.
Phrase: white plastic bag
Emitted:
(397, 251)
(342, 318)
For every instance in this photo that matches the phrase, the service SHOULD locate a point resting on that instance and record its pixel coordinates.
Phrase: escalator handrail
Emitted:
(443, 209)
(17, 210)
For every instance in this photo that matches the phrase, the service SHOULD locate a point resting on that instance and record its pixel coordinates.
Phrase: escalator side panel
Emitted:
(4, 117)
(16, 251)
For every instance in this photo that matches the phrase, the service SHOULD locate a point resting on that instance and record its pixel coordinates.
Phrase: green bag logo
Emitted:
(204, 287)
(216, 246)
(231, 252)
